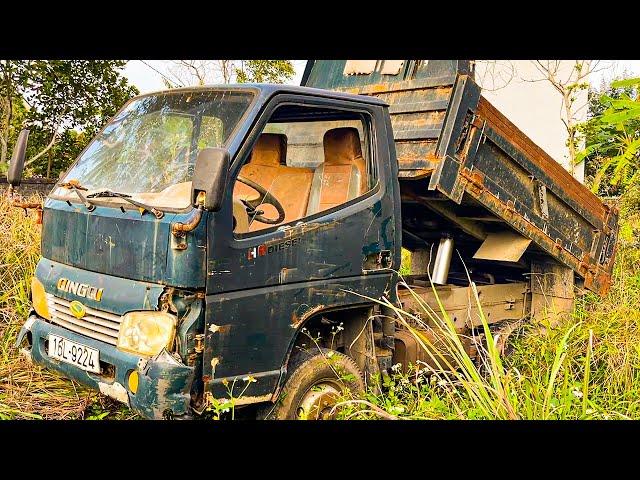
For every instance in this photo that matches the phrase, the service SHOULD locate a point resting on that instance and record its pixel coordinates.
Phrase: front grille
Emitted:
(95, 324)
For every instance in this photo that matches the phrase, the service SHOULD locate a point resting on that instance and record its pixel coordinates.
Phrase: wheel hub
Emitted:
(318, 402)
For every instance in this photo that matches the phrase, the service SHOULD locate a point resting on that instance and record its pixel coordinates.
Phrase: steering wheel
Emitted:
(265, 197)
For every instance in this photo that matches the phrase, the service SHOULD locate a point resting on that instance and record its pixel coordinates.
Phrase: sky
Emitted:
(142, 73)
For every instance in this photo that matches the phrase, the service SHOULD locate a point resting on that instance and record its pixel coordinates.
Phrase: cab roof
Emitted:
(267, 90)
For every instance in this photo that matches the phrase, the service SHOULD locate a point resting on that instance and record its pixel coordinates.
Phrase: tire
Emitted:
(314, 382)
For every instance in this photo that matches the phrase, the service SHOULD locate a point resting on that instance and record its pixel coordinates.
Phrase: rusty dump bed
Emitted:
(453, 145)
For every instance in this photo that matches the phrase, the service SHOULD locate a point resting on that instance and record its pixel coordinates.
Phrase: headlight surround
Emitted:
(39, 299)
(147, 332)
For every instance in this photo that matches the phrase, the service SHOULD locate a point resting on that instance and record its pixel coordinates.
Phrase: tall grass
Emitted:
(26, 391)
(587, 367)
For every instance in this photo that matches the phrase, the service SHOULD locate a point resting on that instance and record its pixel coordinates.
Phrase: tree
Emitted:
(613, 137)
(52, 98)
(13, 80)
(264, 71)
(568, 78)
(182, 73)
(569, 84)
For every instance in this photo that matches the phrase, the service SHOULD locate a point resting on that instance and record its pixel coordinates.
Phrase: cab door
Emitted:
(328, 163)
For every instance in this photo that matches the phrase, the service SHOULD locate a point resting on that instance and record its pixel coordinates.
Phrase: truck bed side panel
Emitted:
(490, 159)
(446, 131)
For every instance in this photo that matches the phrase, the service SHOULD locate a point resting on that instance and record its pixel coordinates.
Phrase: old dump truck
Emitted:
(225, 241)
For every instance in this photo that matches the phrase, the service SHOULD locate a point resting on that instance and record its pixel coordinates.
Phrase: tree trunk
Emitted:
(4, 134)
(45, 150)
(49, 163)
(3, 151)
(571, 131)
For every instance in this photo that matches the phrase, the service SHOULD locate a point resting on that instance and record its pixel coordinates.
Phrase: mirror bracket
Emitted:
(210, 178)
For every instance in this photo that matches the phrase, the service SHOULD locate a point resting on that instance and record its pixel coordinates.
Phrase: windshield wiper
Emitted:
(127, 198)
(76, 187)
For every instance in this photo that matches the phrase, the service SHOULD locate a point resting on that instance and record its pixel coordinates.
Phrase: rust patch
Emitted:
(213, 328)
(498, 122)
(596, 278)
(475, 179)
(301, 229)
(415, 174)
(247, 400)
(37, 206)
(298, 319)
(214, 363)
(192, 222)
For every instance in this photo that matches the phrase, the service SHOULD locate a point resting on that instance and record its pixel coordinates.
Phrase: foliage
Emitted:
(569, 84)
(405, 264)
(584, 368)
(25, 391)
(63, 102)
(68, 146)
(28, 391)
(264, 71)
(218, 408)
(612, 136)
(183, 73)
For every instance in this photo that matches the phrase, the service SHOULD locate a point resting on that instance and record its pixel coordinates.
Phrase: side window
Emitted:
(306, 161)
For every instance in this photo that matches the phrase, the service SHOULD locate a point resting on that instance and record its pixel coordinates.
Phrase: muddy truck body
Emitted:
(225, 241)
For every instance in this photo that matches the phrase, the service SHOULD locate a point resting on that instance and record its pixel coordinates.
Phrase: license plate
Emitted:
(74, 353)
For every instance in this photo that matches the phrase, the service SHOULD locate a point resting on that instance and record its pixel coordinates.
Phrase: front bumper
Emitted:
(164, 387)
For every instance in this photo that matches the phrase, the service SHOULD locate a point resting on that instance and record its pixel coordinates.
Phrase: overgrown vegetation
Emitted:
(612, 136)
(65, 102)
(587, 367)
(62, 102)
(28, 391)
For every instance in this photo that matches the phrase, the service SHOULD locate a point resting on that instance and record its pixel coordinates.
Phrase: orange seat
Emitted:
(267, 167)
(343, 175)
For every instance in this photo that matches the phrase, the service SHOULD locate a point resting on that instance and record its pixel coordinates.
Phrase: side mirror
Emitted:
(14, 174)
(210, 176)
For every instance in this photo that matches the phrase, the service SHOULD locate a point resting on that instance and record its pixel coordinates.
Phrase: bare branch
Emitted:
(568, 84)
(161, 74)
(494, 74)
(46, 149)
(201, 72)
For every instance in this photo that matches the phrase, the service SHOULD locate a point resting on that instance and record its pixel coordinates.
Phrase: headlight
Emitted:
(146, 333)
(39, 298)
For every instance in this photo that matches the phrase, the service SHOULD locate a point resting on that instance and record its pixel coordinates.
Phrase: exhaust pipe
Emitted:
(443, 261)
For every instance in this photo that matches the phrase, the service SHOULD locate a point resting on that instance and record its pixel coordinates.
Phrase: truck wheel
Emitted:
(315, 382)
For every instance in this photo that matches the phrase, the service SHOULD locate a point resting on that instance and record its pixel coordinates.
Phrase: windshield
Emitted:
(149, 149)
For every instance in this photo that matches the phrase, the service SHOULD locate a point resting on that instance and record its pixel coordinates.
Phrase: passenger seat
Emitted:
(343, 175)
(267, 167)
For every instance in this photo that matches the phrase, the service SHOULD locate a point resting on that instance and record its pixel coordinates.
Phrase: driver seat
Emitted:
(267, 167)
